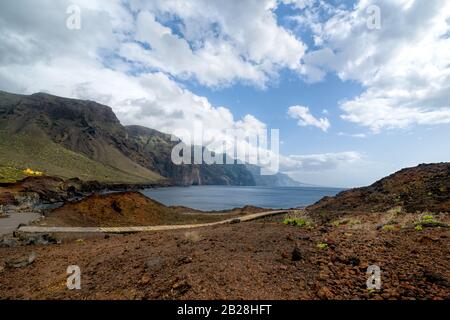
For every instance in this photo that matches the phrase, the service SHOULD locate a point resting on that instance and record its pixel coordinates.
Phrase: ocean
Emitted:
(227, 197)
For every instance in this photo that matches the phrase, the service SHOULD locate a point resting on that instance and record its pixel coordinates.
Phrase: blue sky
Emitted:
(270, 105)
(358, 89)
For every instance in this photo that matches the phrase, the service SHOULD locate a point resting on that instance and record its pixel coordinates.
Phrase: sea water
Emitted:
(228, 197)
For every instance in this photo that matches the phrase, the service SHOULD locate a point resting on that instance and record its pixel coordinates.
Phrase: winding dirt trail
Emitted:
(41, 229)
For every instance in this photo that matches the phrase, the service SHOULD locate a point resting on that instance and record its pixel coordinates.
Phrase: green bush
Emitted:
(428, 220)
(298, 222)
(336, 223)
(388, 227)
(395, 210)
(322, 245)
(354, 222)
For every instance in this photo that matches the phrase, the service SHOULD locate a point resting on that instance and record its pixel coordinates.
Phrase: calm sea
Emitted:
(226, 197)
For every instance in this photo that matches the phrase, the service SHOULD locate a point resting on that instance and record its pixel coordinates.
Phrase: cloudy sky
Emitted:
(354, 100)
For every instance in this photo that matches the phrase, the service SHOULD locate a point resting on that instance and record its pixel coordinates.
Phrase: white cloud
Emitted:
(319, 162)
(344, 169)
(215, 63)
(404, 68)
(213, 41)
(354, 135)
(305, 118)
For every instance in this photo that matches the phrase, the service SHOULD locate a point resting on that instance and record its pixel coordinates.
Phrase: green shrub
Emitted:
(344, 222)
(354, 222)
(371, 291)
(336, 223)
(298, 222)
(428, 220)
(322, 245)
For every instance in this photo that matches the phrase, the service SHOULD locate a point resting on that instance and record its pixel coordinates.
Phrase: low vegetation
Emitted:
(298, 222)
(346, 222)
(10, 174)
(395, 211)
(322, 245)
(388, 227)
(428, 220)
(298, 219)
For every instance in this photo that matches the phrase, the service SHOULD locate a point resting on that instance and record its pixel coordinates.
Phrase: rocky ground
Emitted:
(399, 224)
(264, 259)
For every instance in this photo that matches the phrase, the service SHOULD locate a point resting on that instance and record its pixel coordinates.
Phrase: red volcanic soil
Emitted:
(131, 209)
(252, 260)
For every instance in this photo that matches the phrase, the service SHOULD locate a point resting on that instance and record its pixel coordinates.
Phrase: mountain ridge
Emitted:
(81, 138)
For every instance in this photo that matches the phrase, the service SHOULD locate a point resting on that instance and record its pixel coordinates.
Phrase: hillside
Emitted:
(422, 188)
(74, 138)
(66, 138)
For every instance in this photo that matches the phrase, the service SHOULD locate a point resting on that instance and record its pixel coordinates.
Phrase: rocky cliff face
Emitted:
(277, 180)
(84, 139)
(157, 145)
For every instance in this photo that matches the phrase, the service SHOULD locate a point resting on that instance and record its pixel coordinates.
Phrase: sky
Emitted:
(358, 89)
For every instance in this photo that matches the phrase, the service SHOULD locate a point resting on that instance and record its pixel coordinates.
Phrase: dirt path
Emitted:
(40, 229)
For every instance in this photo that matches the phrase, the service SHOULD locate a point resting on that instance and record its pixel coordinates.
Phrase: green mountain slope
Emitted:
(36, 151)
(65, 138)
